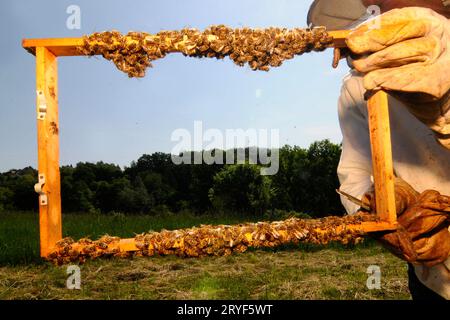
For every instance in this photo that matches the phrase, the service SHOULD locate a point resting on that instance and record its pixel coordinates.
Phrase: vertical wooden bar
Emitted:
(50, 220)
(383, 171)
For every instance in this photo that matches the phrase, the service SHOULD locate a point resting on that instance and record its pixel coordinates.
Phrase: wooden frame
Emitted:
(50, 220)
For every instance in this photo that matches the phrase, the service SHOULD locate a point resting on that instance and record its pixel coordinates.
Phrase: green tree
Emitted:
(307, 179)
(22, 186)
(158, 191)
(323, 157)
(241, 188)
(305, 183)
(201, 183)
(134, 197)
(6, 199)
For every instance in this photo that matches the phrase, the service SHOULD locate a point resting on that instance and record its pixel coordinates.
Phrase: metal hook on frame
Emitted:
(38, 187)
(41, 105)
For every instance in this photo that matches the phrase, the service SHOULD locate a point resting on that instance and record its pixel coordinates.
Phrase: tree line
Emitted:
(306, 183)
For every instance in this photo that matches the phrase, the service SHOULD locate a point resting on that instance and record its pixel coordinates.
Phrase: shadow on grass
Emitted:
(311, 248)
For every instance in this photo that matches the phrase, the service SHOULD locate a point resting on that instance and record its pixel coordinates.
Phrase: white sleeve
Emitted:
(355, 167)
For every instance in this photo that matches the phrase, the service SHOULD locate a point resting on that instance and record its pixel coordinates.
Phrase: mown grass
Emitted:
(292, 272)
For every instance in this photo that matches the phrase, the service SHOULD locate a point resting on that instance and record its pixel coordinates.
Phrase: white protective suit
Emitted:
(418, 159)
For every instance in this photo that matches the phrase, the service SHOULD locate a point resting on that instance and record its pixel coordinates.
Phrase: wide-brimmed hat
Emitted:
(346, 14)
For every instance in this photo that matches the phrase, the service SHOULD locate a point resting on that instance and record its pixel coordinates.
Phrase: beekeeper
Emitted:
(405, 50)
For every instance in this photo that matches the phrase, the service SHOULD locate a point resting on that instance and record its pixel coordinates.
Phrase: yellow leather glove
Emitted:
(405, 50)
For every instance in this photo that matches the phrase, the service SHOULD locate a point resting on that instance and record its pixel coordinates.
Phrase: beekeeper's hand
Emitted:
(405, 50)
(422, 236)
(405, 196)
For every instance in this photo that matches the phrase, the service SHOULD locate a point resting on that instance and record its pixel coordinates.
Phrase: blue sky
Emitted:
(106, 116)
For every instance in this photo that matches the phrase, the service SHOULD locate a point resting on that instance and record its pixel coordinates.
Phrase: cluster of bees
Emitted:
(222, 240)
(67, 250)
(259, 48)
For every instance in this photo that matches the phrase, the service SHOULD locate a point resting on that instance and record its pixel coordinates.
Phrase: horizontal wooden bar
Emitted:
(123, 245)
(58, 46)
(365, 227)
(128, 245)
(369, 227)
(339, 37)
(69, 46)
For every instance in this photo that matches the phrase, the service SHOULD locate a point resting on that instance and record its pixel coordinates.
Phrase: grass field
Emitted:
(294, 272)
